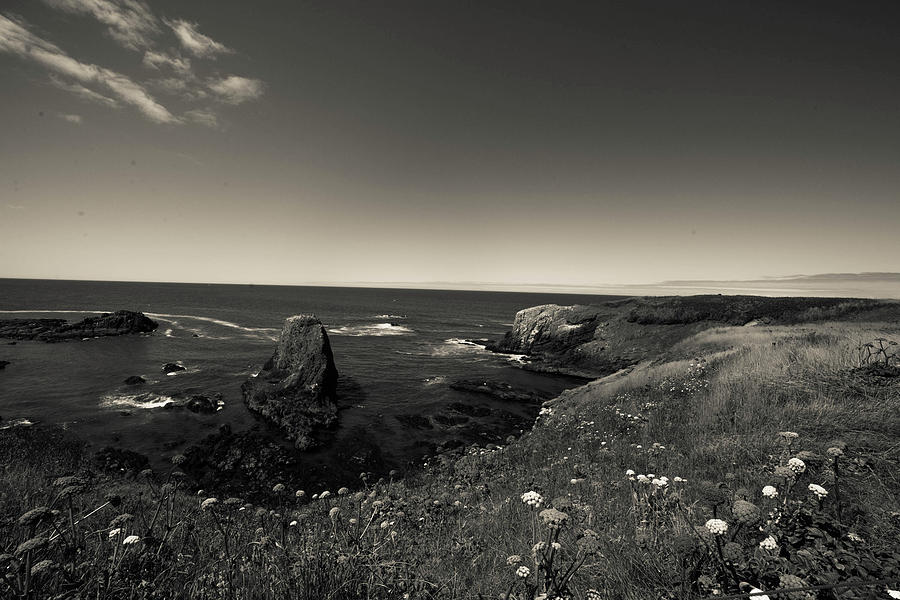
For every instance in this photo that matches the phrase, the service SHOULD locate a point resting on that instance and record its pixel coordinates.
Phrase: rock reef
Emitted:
(296, 388)
(122, 322)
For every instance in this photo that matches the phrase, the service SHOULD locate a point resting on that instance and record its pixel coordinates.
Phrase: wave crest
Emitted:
(371, 329)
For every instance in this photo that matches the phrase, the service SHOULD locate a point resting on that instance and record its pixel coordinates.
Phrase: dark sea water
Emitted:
(396, 352)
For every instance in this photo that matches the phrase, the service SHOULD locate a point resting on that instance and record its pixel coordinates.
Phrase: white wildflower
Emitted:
(717, 526)
(769, 543)
(796, 465)
(818, 490)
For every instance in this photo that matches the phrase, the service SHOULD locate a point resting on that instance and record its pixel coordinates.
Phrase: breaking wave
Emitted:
(373, 329)
(145, 400)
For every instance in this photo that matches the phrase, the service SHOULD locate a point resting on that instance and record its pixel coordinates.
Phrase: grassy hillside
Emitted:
(646, 484)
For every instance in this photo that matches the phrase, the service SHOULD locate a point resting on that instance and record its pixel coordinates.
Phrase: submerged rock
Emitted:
(3, 364)
(296, 388)
(122, 322)
(135, 380)
(498, 390)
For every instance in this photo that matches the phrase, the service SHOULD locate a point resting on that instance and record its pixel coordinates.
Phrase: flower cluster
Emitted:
(532, 499)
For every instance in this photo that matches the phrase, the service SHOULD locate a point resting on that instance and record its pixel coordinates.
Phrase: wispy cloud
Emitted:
(202, 117)
(129, 22)
(16, 39)
(236, 90)
(83, 92)
(76, 119)
(159, 60)
(195, 42)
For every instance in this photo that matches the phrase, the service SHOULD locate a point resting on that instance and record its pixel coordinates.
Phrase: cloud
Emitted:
(202, 117)
(158, 60)
(195, 42)
(16, 39)
(83, 92)
(76, 119)
(129, 22)
(236, 90)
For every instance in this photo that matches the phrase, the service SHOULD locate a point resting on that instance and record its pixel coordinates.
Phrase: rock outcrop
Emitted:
(597, 340)
(122, 322)
(172, 368)
(296, 388)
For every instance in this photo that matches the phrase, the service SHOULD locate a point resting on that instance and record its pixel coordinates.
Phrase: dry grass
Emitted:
(711, 416)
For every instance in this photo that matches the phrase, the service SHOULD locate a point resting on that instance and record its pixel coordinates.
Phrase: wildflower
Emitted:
(792, 581)
(120, 520)
(35, 516)
(785, 472)
(179, 459)
(208, 503)
(278, 488)
(556, 546)
(334, 513)
(300, 494)
(630, 474)
(324, 495)
(855, 537)
(746, 512)
(131, 539)
(554, 518)
(893, 593)
(114, 532)
(40, 567)
(533, 499)
(71, 491)
(643, 479)
(62, 482)
(354, 521)
(787, 436)
(796, 465)
(576, 480)
(539, 547)
(769, 491)
(834, 452)
(660, 482)
(592, 594)
(523, 572)
(818, 490)
(343, 491)
(769, 543)
(513, 560)
(679, 480)
(717, 526)
(733, 553)
(31, 544)
(292, 524)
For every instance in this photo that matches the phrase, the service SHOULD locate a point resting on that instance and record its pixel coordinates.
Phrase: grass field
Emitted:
(647, 484)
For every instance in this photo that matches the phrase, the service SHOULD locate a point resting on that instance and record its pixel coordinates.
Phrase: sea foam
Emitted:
(371, 329)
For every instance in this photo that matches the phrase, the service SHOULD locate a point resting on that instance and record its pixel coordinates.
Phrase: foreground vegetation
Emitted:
(753, 458)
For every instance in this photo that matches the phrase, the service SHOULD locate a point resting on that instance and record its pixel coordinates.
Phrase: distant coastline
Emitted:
(836, 285)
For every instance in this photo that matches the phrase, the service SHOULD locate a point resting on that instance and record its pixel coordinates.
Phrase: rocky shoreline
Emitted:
(296, 394)
(123, 322)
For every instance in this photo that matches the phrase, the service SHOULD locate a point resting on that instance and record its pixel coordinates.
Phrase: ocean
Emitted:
(397, 352)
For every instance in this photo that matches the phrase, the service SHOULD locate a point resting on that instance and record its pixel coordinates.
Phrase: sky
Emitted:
(470, 143)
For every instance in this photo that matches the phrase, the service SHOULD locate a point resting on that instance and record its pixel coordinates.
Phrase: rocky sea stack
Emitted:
(296, 388)
(121, 322)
